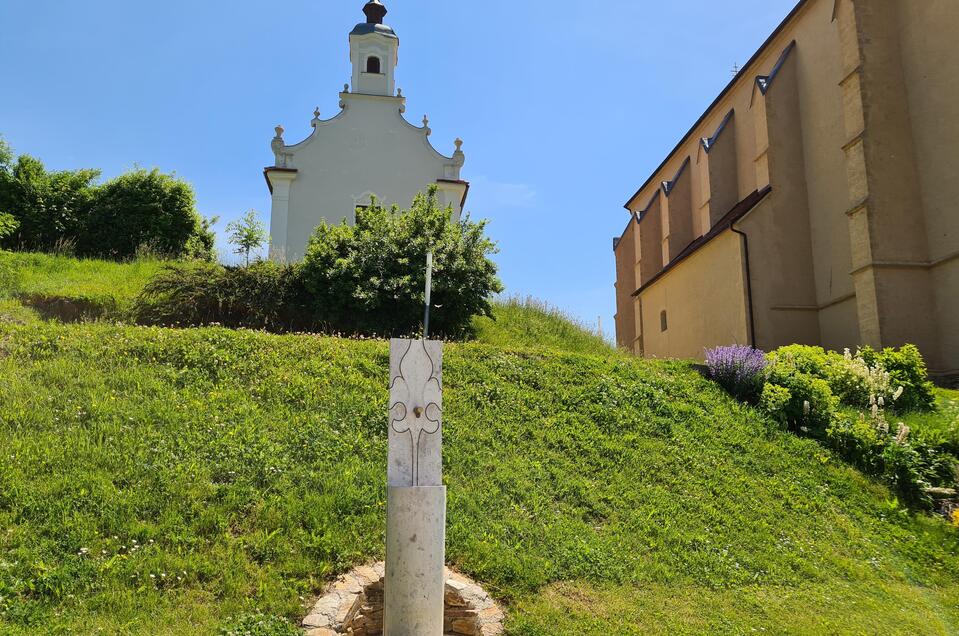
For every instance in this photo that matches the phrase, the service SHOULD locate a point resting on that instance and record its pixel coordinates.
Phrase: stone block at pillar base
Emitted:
(414, 587)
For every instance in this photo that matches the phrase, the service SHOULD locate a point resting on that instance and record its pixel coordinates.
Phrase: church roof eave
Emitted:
(269, 169)
(466, 190)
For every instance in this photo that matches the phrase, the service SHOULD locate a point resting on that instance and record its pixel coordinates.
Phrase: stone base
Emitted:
(415, 554)
(354, 605)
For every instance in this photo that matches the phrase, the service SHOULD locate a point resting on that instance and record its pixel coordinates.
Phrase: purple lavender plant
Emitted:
(739, 369)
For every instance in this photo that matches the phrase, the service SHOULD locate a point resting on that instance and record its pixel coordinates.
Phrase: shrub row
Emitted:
(67, 210)
(363, 279)
(843, 400)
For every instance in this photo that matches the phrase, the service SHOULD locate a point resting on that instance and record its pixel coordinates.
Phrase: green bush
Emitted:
(369, 277)
(62, 210)
(808, 359)
(146, 208)
(362, 279)
(858, 441)
(263, 295)
(50, 208)
(774, 400)
(908, 466)
(8, 225)
(906, 369)
(811, 403)
(858, 380)
(805, 387)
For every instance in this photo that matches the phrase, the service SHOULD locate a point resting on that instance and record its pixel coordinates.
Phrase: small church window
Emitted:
(373, 65)
(663, 325)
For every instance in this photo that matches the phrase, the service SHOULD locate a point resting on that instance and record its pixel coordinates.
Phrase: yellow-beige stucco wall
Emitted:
(627, 331)
(704, 298)
(930, 60)
(857, 136)
(818, 170)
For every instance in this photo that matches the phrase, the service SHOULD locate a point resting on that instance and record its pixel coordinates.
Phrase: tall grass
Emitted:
(530, 323)
(104, 288)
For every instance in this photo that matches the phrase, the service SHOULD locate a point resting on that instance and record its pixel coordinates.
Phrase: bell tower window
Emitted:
(373, 65)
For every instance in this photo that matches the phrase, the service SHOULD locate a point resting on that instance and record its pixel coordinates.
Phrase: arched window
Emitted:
(373, 65)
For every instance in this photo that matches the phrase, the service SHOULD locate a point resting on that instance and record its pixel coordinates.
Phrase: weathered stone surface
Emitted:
(415, 442)
(469, 610)
(415, 533)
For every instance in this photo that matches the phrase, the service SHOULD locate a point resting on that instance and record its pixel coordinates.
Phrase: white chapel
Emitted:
(368, 149)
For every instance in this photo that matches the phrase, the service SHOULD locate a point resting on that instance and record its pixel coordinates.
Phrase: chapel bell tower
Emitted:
(374, 51)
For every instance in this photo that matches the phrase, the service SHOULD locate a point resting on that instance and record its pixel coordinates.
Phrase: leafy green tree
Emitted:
(370, 277)
(51, 208)
(8, 225)
(146, 208)
(247, 234)
(6, 155)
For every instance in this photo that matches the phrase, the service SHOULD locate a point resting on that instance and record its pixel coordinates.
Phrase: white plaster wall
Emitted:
(368, 148)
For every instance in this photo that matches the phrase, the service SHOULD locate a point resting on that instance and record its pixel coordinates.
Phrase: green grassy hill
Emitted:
(62, 287)
(171, 482)
(525, 324)
(36, 286)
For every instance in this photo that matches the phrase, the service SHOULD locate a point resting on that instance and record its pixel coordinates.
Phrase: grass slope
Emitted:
(525, 324)
(61, 287)
(58, 286)
(159, 481)
(942, 425)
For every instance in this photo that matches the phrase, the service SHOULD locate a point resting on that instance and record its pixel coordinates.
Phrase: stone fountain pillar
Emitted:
(416, 498)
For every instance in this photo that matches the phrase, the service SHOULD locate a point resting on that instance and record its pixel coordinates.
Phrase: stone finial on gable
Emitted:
(426, 125)
(278, 143)
(282, 159)
(316, 117)
(459, 158)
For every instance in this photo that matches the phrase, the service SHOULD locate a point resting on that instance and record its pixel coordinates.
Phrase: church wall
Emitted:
(677, 214)
(945, 280)
(819, 71)
(720, 179)
(779, 230)
(741, 144)
(625, 251)
(369, 149)
(930, 60)
(704, 300)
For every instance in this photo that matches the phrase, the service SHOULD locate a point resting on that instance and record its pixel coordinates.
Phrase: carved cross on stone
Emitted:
(415, 456)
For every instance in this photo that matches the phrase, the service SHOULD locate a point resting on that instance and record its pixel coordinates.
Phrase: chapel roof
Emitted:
(365, 28)
(375, 12)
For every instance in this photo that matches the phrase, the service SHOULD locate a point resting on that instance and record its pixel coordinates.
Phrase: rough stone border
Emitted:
(332, 609)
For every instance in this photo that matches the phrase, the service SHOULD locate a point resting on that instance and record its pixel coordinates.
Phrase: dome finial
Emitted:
(375, 12)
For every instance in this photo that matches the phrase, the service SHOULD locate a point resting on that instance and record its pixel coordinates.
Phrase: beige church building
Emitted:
(816, 200)
(367, 150)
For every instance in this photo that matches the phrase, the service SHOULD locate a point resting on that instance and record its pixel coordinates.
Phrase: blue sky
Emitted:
(565, 107)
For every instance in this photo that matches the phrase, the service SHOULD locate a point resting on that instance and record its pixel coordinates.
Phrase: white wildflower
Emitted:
(903, 433)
